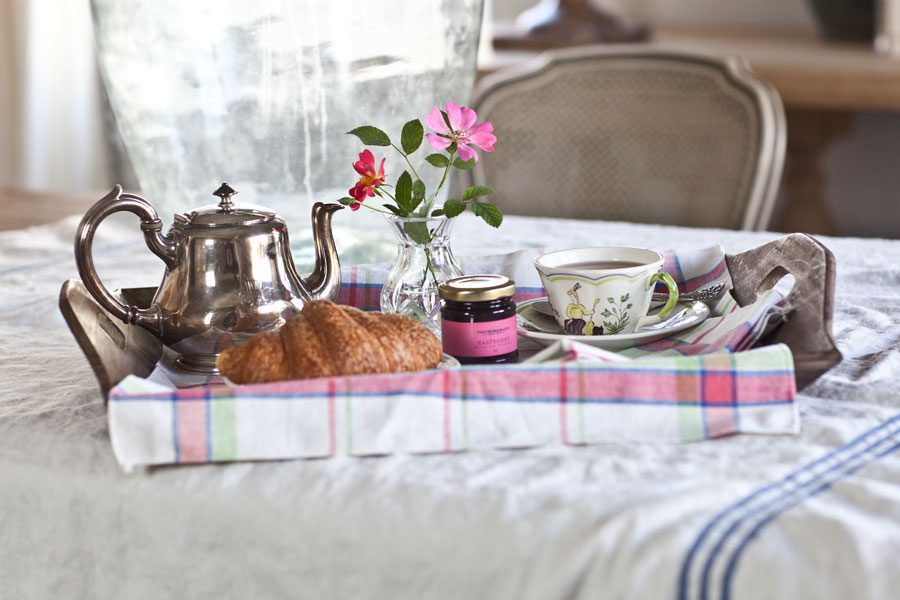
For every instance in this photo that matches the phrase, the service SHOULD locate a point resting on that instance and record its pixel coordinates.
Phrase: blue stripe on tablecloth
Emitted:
(731, 565)
(721, 266)
(734, 396)
(454, 397)
(702, 403)
(361, 285)
(595, 368)
(804, 489)
(173, 399)
(678, 270)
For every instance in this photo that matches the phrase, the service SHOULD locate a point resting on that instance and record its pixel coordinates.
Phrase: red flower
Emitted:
(368, 180)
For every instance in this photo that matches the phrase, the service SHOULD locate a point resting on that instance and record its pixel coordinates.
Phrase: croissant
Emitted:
(328, 339)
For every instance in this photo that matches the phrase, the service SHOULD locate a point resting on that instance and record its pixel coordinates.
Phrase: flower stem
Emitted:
(387, 212)
(429, 267)
(380, 190)
(426, 208)
(446, 171)
(406, 158)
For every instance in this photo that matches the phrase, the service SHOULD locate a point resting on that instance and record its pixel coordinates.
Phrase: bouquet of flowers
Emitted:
(455, 132)
(424, 258)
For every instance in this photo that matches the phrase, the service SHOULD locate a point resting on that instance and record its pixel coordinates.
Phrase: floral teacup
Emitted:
(604, 291)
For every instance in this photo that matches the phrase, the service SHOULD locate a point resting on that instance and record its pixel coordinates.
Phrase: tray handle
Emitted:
(807, 331)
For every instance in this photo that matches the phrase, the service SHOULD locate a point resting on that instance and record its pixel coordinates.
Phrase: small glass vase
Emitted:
(424, 261)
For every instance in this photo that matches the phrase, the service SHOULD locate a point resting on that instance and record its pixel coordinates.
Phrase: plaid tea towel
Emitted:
(694, 386)
(729, 327)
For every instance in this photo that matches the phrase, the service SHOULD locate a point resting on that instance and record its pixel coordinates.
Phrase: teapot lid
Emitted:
(226, 213)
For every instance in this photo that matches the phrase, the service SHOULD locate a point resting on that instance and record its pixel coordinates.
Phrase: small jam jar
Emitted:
(478, 319)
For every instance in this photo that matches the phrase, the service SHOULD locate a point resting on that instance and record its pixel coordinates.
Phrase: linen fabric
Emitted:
(813, 515)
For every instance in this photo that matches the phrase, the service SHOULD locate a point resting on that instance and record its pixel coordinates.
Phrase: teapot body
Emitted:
(224, 288)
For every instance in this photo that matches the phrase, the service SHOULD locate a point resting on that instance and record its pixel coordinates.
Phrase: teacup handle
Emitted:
(670, 303)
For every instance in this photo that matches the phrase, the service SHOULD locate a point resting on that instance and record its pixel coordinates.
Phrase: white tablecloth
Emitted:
(616, 520)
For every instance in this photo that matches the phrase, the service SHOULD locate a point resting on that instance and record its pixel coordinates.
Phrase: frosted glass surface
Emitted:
(262, 93)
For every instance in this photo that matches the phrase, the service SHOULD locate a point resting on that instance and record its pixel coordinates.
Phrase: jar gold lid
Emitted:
(477, 288)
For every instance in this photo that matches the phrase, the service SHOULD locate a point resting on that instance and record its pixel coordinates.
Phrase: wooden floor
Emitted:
(20, 208)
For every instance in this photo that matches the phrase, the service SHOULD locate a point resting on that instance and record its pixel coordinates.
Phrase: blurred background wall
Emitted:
(52, 131)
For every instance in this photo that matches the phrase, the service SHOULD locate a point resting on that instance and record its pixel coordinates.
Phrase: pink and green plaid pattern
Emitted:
(671, 399)
(692, 269)
(689, 387)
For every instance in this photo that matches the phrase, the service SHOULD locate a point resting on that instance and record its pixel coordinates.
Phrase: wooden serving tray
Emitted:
(115, 349)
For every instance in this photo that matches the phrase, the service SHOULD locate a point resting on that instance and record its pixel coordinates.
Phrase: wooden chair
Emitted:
(633, 134)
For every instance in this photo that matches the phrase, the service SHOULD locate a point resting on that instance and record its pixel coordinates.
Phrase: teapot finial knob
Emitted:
(225, 192)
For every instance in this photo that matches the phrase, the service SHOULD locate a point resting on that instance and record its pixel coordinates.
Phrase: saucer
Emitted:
(448, 362)
(541, 327)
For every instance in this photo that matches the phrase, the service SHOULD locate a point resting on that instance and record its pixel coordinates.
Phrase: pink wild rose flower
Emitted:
(462, 130)
(368, 180)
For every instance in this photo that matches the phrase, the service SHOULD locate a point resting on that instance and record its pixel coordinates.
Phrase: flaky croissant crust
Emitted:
(328, 339)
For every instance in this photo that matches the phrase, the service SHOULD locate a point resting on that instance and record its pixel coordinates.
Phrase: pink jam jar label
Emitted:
(490, 338)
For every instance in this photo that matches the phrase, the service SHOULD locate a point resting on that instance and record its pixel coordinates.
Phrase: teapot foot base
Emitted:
(198, 363)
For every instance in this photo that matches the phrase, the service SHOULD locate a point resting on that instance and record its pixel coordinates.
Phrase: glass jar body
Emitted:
(424, 261)
(480, 332)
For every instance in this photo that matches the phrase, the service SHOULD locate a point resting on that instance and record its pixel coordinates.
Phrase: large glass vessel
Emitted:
(262, 93)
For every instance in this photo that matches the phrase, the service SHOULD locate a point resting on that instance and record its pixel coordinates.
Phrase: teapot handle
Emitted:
(159, 244)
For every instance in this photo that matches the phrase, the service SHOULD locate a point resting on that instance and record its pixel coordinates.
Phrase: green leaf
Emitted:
(403, 193)
(624, 298)
(438, 160)
(489, 213)
(606, 313)
(437, 212)
(418, 193)
(629, 306)
(347, 201)
(411, 136)
(611, 300)
(418, 189)
(418, 232)
(453, 207)
(394, 210)
(464, 165)
(446, 120)
(476, 191)
(371, 136)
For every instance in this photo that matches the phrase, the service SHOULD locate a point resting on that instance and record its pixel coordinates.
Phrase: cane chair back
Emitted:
(633, 134)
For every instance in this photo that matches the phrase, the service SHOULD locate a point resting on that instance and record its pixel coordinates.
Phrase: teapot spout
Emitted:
(324, 282)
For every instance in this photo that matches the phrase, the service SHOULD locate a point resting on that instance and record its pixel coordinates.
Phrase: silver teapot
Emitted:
(229, 273)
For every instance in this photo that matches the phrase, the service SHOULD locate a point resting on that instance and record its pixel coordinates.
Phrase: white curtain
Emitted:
(51, 115)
